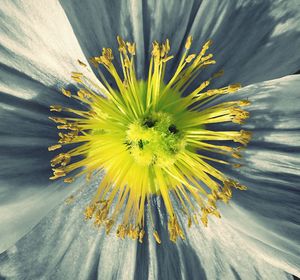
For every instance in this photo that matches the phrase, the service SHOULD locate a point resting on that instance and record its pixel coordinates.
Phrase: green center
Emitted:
(154, 140)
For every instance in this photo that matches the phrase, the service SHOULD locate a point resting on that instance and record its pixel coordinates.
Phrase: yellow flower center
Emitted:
(154, 140)
(150, 138)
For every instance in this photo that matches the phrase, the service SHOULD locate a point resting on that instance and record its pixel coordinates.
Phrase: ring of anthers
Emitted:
(150, 138)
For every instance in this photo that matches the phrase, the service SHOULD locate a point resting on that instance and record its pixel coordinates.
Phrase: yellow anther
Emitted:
(131, 48)
(55, 108)
(240, 187)
(107, 53)
(190, 58)
(243, 138)
(67, 137)
(238, 115)
(134, 233)
(155, 50)
(106, 58)
(54, 147)
(156, 237)
(141, 235)
(83, 94)
(234, 87)
(66, 92)
(244, 103)
(108, 225)
(97, 219)
(188, 42)
(122, 44)
(62, 158)
(58, 120)
(69, 180)
(236, 185)
(206, 58)
(70, 126)
(121, 231)
(65, 161)
(59, 172)
(209, 62)
(175, 229)
(57, 159)
(89, 211)
(205, 47)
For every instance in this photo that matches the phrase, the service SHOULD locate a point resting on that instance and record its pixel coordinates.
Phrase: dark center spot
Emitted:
(173, 128)
(140, 143)
(149, 123)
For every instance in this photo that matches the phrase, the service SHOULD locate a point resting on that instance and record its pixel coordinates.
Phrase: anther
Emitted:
(66, 92)
(189, 42)
(55, 108)
(54, 147)
(156, 237)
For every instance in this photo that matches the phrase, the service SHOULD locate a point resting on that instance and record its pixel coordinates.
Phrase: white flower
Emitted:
(254, 41)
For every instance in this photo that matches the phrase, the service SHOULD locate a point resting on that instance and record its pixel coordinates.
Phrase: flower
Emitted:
(40, 48)
(149, 140)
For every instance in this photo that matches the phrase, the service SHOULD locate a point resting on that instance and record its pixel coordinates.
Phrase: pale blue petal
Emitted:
(36, 39)
(26, 193)
(253, 40)
(268, 213)
(38, 50)
(64, 246)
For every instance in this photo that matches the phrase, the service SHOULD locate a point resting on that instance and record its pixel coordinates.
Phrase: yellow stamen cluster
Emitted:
(150, 138)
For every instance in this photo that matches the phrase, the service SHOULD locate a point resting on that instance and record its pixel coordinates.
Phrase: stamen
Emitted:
(148, 139)
(54, 147)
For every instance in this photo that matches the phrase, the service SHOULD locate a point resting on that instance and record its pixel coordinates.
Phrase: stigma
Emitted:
(151, 137)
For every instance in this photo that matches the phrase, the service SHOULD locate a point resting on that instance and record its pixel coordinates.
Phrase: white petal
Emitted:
(26, 194)
(268, 213)
(211, 252)
(79, 251)
(38, 48)
(253, 41)
(36, 39)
